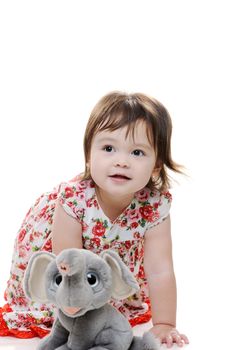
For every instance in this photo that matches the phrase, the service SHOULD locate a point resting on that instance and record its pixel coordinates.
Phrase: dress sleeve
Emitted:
(72, 199)
(162, 207)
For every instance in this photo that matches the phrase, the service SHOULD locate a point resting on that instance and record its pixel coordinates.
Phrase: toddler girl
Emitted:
(121, 202)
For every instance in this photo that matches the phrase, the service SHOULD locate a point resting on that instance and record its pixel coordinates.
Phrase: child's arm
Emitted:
(160, 275)
(66, 231)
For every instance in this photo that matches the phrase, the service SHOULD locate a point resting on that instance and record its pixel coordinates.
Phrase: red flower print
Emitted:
(147, 212)
(123, 223)
(84, 226)
(98, 229)
(121, 251)
(136, 235)
(80, 213)
(168, 196)
(80, 195)
(96, 241)
(82, 185)
(22, 251)
(52, 207)
(91, 202)
(69, 192)
(50, 219)
(134, 225)
(156, 215)
(128, 245)
(141, 273)
(142, 195)
(47, 246)
(133, 214)
(22, 266)
(20, 301)
(43, 211)
(52, 196)
(22, 235)
(136, 254)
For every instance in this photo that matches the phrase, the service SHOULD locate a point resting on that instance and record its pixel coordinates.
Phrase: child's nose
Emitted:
(121, 162)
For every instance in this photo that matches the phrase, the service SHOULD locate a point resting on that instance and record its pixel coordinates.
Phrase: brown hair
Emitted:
(117, 110)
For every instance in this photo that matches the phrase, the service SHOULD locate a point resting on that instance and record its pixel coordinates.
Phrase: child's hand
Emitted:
(169, 335)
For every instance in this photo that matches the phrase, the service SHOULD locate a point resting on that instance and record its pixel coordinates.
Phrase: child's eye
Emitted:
(108, 148)
(138, 152)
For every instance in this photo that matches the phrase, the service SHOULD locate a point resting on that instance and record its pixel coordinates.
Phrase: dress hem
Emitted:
(32, 332)
(35, 331)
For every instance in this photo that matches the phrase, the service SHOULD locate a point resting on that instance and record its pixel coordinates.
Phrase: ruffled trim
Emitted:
(35, 331)
(146, 317)
(140, 319)
(32, 332)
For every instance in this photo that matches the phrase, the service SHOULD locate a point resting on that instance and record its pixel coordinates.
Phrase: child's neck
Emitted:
(112, 206)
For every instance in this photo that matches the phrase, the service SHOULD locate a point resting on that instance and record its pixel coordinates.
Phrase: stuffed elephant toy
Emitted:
(80, 283)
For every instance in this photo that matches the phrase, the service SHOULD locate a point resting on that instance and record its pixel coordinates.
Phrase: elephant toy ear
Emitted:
(124, 283)
(35, 277)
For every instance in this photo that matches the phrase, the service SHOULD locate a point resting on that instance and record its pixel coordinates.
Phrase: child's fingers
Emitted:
(184, 338)
(178, 340)
(169, 341)
(173, 337)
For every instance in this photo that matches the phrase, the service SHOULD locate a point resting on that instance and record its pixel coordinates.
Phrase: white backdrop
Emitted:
(58, 58)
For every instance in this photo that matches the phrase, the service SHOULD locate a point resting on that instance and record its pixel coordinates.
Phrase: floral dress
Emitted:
(23, 318)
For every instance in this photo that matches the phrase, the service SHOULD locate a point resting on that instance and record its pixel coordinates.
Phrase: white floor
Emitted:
(8, 343)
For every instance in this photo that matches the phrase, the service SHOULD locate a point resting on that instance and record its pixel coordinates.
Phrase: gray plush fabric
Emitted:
(80, 283)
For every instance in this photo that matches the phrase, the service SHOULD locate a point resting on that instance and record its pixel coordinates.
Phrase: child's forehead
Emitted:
(135, 133)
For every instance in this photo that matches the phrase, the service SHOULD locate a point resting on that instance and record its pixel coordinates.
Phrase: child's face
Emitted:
(122, 166)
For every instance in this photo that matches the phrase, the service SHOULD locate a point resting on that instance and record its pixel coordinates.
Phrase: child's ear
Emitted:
(157, 167)
(35, 277)
(156, 171)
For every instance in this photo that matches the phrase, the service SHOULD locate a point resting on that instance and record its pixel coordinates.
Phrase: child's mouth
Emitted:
(120, 177)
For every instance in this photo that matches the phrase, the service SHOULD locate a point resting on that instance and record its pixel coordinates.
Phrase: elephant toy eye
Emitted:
(92, 279)
(58, 279)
